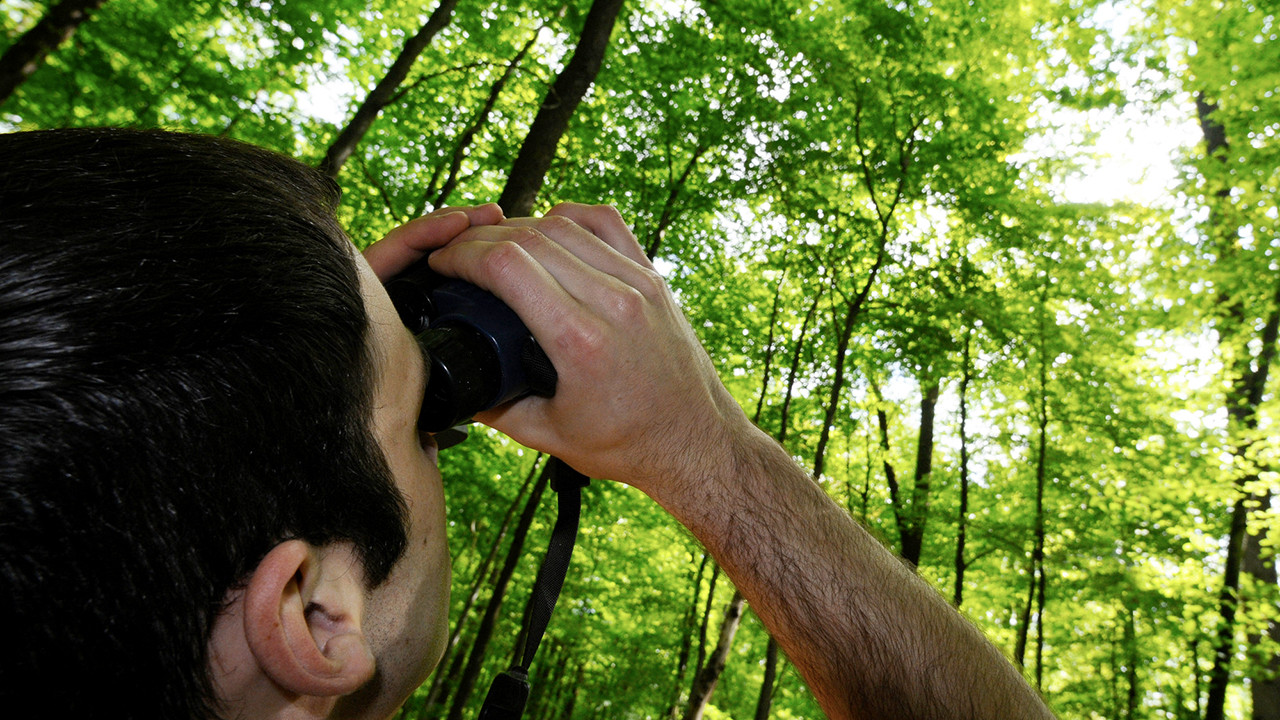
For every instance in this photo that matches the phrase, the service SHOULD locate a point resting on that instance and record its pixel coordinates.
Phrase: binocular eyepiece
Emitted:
(479, 353)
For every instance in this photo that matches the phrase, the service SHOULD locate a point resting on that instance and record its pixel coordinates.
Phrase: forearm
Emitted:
(871, 638)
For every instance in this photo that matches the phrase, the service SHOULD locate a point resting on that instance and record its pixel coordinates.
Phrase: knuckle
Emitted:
(650, 283)
(564, 207)
(608, 211)
(503, 259)
(581, 340)
(627, 305)
(558, 224)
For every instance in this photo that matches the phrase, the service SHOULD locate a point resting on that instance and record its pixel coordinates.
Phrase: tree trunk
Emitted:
(837, 385)
(963, 514)
(465, 139)
(485, 576)
(1038, 530)
(1248, 384)
(28, 52)
(1265, 685)
(705, 683)
(1131, 662)
(770, 679)
(794, 370)
(686, 642)
(912, 532)
(539, 148)
(475, 660)
(385, 91)
(668, 214)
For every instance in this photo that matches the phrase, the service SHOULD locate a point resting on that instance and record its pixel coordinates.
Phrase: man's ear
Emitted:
(303, 609)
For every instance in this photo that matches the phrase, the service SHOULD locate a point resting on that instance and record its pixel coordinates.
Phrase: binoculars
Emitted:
(479, 353)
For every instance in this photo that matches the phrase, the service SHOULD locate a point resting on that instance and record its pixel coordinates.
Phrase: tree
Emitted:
(26, 54)
(384, 93)
(539, 148)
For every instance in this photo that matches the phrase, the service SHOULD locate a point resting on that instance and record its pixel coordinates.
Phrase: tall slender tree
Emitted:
(29, 51)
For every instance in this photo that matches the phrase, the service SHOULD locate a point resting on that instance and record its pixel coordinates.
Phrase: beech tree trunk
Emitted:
(912, 530)
(468, 136)
(384, 93)
(485, 576)
(1036, 591)
(705, 682)
(1248, 378)
(686, 642)
(770, 679)
(475, 660)
(539, 149)
(28, 53)
(963, 514)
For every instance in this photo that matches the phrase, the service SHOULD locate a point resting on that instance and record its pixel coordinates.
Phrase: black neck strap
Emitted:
(510, 690)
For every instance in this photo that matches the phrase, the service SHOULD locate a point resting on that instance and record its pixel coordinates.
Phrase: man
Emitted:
(215, 498)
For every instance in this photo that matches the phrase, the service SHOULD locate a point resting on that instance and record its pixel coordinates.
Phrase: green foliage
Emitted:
(778, 155)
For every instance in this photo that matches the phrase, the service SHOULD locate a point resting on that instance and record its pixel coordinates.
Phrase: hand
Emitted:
(408, 243)
(638, 400)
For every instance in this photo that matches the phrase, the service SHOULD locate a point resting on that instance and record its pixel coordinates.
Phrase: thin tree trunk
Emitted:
(28, 52)
(705, 683)
(912, 532)
(465, 139)
(1131, 662)
(385, 91)
(1265, 685)
(539, 149)
(770, 679)
(706, 618)
(485, 576)
(768, 348)
(963, 514)
(1036, 579)
(1248, 384)
(837, 385)
(794, 369)
(686, 642)
(567, 712)
(475, 660)
(890, 475)
(668, 214)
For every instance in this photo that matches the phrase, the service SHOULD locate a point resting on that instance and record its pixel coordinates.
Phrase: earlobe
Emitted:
(302, 623)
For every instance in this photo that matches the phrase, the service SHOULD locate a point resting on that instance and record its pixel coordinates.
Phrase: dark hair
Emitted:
(184, 383)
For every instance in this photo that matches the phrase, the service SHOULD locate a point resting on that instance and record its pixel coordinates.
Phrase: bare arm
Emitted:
(640, 402)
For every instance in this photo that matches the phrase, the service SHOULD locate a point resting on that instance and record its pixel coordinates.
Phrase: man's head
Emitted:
(190, 391)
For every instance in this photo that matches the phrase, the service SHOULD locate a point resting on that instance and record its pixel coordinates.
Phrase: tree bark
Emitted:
(668, 214)
(485, 575)
(963, 514)
(465, 139)
(705, 683)
(385, 91)
(475, 660)
(1248, 377)
(770, 679)
(539, 148)
(837, 385)
(912, 531)
(1037, 580)
(29, 51)
(686, 642)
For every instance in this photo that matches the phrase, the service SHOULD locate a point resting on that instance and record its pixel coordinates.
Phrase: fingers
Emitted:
(408, 243)
(575, 258)
(606, 223)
